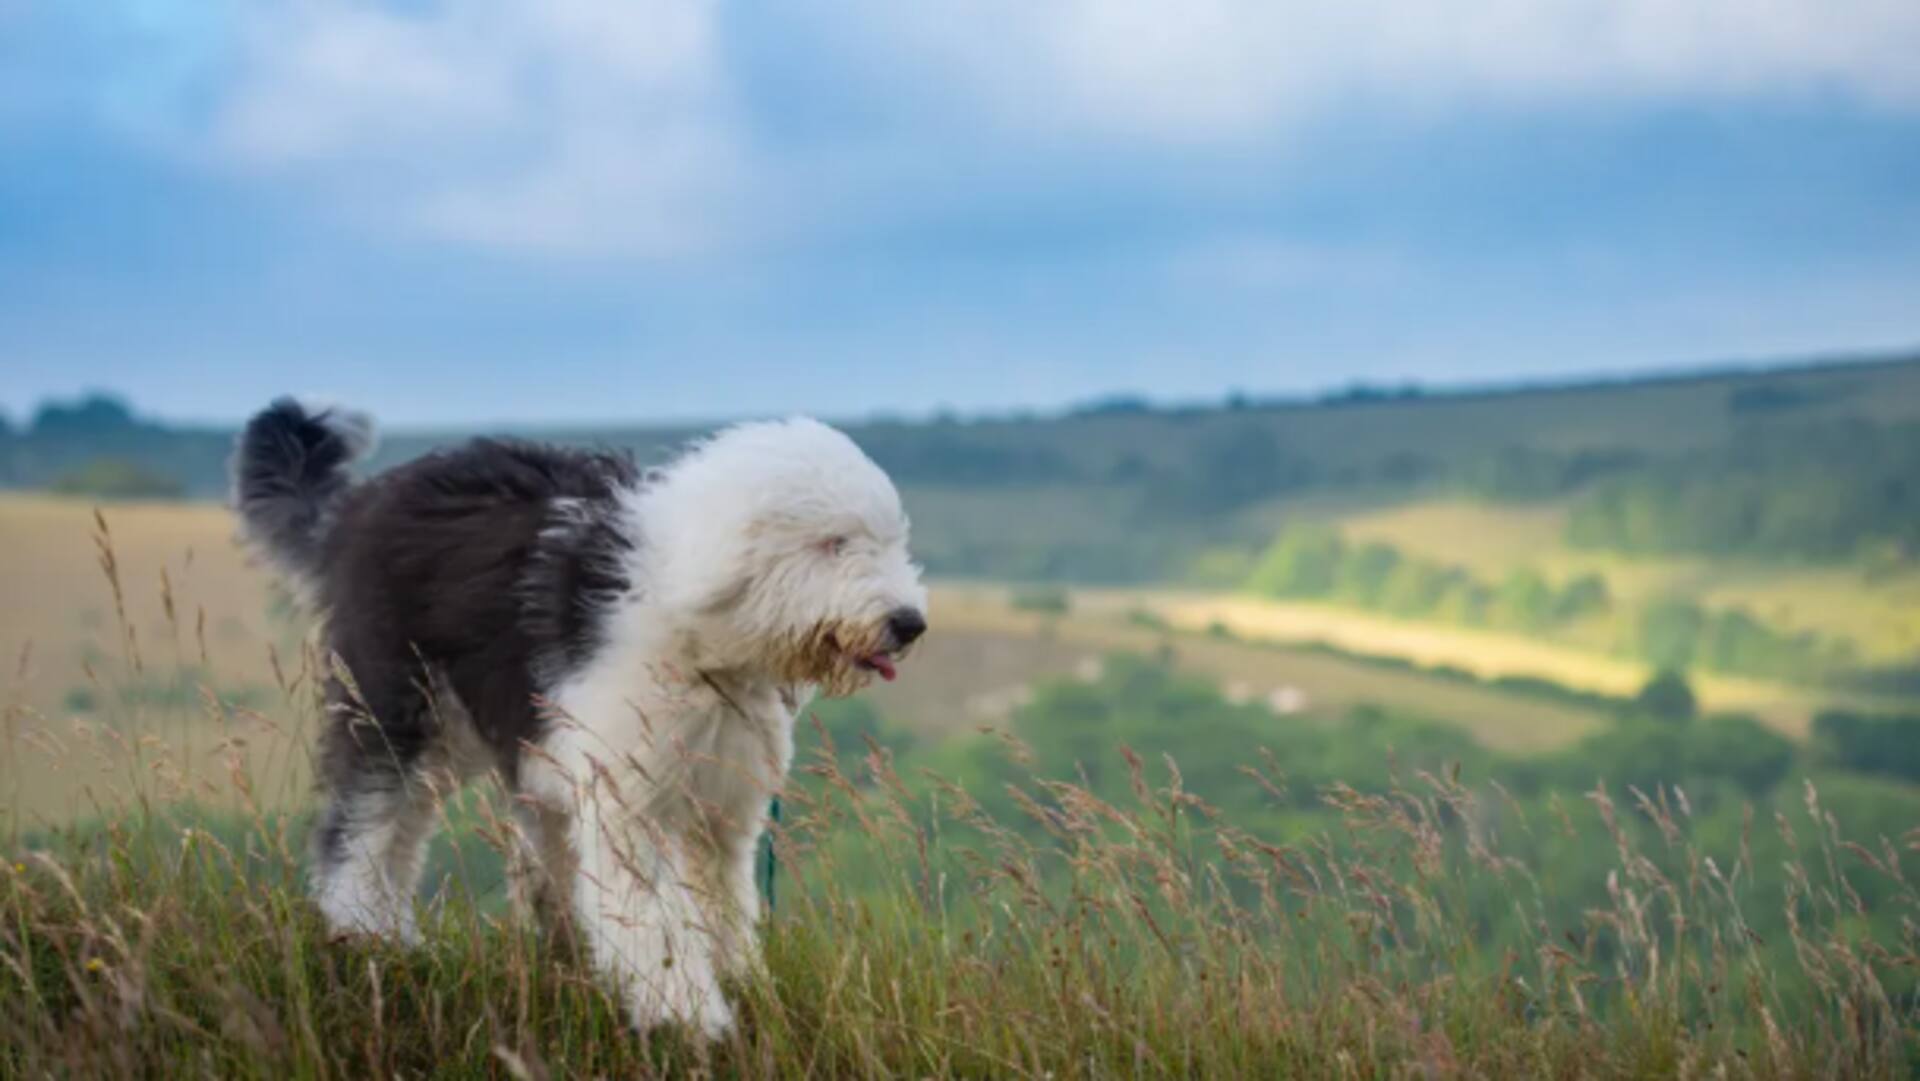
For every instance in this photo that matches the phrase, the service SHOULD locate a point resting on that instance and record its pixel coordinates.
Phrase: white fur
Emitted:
(371, 892)
(676, 734)
(370, 888)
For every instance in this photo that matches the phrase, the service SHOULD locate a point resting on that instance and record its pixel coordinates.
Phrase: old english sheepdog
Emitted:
(625, 649)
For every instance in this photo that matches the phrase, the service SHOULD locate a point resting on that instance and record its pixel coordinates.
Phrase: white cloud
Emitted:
(1224, 69)
(618, 126)
(584, 126)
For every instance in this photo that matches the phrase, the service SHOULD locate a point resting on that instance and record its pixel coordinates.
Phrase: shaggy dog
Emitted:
(625, 650)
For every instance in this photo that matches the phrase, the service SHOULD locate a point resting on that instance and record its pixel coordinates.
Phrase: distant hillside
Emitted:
(1815, 463)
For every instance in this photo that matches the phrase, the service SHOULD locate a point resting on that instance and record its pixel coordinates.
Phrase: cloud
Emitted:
(631, 128)
(578, 126)
(1208, 70)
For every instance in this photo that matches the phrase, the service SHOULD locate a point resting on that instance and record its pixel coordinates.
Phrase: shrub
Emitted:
(1050, 600)
(113, 478)
(1667, 697)
(1742, 750)
(1887, 745)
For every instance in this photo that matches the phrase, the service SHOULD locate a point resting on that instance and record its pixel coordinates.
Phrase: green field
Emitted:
(1087, 834)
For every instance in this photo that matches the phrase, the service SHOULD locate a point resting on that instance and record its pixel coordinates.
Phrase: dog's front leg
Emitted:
(643, 924)
(738, 909)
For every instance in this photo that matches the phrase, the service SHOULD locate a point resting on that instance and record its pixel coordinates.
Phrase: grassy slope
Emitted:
(58, 623)
(1880, 613)
(915, 937)
(1164, 944)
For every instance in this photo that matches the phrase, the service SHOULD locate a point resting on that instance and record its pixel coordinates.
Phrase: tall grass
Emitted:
(919, 934)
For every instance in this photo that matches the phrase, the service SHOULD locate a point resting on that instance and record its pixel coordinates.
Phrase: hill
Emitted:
(1759, 523)
(1124, 491)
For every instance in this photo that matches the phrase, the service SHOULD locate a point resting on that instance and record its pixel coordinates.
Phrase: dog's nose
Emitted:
(906, 624)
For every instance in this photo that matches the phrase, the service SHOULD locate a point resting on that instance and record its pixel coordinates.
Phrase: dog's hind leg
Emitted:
(386, 780)
(369, 850)
(541, 868)
(384, 787)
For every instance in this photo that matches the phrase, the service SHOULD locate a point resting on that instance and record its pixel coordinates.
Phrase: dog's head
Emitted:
(792, 552)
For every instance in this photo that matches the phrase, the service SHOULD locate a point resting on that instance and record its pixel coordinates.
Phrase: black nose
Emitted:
(906, 624)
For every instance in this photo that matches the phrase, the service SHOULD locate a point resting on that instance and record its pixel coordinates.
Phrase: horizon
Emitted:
(1118, 400)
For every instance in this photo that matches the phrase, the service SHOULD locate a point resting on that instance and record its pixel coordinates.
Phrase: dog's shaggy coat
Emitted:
(625, 650)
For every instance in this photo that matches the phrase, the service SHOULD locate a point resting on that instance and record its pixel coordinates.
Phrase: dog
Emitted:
(625, 649)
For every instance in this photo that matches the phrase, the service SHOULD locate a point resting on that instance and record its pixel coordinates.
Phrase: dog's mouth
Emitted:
(880, 662)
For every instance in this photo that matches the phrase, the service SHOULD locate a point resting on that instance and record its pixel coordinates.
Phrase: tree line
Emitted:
(1313, 562)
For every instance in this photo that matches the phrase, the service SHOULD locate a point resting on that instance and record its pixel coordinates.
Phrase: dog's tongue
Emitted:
(883, 664)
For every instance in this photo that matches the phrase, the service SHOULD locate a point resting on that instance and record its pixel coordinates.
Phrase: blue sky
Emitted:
(602, 210)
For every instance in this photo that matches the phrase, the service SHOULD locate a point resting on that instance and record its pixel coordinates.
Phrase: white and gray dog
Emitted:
(625, 649)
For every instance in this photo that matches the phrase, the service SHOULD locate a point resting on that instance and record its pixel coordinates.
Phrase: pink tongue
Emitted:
(883, 664)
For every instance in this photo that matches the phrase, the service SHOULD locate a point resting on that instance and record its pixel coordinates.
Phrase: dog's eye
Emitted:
(833, 546)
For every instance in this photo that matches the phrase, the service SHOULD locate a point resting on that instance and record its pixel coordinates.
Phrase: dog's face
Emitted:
(846, 601)
(807, 549)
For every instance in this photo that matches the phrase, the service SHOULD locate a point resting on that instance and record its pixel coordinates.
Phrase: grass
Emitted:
(155, 924)
(916, 935)
(59, 616)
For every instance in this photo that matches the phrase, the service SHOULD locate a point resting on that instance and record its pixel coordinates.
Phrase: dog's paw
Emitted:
(398, 926)
(702, 1011)
(714, 1022)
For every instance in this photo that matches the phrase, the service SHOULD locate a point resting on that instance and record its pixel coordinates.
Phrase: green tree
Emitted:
(1464, 601)
(1524, 601)
(1667, 697)
(1670, 631)
(1585, 596)
(1417, 587)
(1365, 572)
(1303, 561)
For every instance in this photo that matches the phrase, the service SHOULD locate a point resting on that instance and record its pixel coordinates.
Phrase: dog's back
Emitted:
(473, 568)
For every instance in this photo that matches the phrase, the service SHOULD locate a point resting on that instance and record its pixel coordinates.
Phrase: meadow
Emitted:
(190, 611)
(1073, 840)
(1757, 528)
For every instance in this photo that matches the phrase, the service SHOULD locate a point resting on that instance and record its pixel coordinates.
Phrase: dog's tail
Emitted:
(289, 474)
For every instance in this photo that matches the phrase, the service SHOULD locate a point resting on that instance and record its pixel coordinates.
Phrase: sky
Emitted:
(613, 210)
